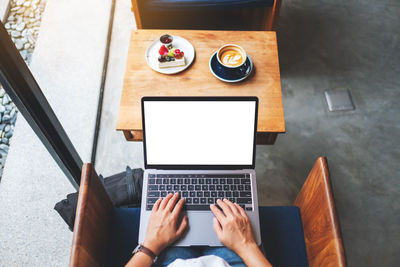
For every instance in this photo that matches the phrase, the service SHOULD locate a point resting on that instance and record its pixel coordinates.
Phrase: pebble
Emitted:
(13, 120)
(21, 10)
(2, 91)
(8, 128)
(6, 118)
(19, 2)
(27, 3)
(31, 39)
(24, 54)
(5, 140)
(2, 109)
(5, 100)
(9, 134)
(4, 147)
(20, 26)
(7, 26)
(15, 34)
(24, 39)
(19, 44)
(27, 45)
(12, 113)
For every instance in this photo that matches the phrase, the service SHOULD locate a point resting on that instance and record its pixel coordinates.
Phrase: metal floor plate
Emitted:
(339, 100)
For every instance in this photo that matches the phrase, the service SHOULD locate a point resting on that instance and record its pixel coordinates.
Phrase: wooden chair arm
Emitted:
(137, 13)
(320, 223)
(90, 238)
(271, 16)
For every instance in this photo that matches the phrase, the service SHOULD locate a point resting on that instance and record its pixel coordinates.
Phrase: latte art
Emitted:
(231, 58)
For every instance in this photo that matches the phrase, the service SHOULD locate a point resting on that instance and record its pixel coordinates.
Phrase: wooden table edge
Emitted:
(263, 138)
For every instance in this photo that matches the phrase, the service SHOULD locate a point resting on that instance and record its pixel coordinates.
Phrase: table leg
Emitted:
(266, 138)
(131, 135)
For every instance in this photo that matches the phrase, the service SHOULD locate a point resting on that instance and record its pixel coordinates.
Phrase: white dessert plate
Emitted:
(178, 42)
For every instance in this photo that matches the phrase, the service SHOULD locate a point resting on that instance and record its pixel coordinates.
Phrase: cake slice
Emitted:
(174, 63)
(170, 57)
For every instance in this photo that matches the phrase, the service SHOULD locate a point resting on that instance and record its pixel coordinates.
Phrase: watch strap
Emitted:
(146, 251)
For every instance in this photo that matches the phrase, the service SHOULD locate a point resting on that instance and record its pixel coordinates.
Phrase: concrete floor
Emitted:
(322, 45)
(352, 44)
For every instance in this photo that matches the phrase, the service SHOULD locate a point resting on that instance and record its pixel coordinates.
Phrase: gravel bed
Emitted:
(23, 24)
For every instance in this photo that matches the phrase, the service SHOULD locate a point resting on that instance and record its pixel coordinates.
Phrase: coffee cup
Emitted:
(231, 56)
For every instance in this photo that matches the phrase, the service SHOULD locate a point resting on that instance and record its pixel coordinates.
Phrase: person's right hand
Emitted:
(232, 226)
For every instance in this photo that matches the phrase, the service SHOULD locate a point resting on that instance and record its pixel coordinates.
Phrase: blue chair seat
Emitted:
(281, 233)
(282, 236)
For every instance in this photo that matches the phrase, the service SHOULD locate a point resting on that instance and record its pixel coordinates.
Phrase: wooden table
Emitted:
(140, 80)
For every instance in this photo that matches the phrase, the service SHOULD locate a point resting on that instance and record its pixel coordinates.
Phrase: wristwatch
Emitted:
(146, 251)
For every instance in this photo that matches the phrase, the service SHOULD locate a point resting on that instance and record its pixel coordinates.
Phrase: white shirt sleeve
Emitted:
(203, 261)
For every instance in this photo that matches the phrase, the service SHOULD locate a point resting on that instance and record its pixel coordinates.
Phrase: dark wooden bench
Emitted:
(207, 15)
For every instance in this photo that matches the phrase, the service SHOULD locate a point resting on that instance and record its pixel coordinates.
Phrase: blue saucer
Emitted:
(228, 74)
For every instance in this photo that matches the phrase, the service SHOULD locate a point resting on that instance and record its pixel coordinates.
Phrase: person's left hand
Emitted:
(164, 225)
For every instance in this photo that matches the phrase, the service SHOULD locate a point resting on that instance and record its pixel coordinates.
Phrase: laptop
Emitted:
(203, 148)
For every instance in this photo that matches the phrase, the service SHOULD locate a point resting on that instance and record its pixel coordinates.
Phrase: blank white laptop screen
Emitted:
(199, 132)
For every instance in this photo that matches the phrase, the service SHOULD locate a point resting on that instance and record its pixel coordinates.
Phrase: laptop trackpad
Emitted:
(200, 231)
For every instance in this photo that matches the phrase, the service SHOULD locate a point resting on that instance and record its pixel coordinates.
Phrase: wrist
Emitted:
(153, 247)
(144, 257)
(252, 256)
(247, 249)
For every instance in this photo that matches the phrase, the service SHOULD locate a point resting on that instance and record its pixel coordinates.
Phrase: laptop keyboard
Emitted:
(200, 190)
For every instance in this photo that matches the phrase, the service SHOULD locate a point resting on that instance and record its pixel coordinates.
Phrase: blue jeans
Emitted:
(172, 253)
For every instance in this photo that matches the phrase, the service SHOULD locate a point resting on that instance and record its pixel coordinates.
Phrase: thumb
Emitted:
(217, 227)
